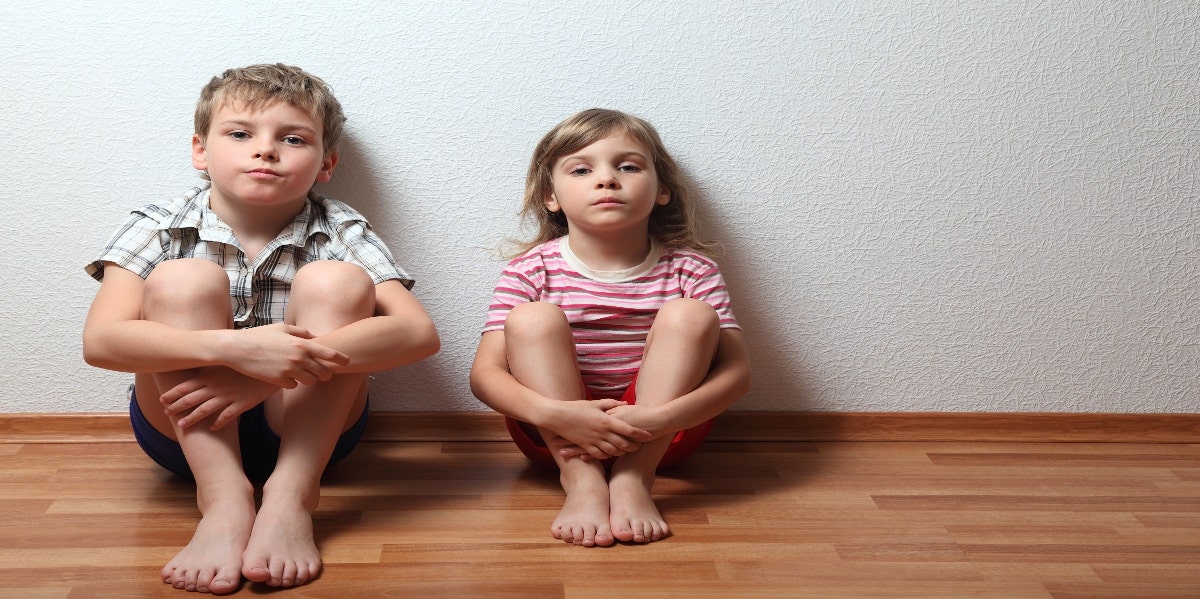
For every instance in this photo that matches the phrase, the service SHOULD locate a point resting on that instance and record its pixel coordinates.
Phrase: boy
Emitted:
(251, 310)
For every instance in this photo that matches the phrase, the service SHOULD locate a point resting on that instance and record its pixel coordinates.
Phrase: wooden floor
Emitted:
(769, 519)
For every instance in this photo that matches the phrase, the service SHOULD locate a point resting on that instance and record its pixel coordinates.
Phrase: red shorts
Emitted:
(530, 441)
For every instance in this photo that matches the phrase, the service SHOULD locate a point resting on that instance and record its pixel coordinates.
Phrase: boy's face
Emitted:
(269, 157)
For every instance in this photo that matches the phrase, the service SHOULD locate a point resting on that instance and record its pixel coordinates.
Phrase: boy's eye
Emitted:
(293, 140)
(239, 135)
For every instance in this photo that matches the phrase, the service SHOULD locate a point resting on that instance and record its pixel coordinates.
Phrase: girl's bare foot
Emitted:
(281, 551)
(633, 516)
(583, 519)
(212, 561)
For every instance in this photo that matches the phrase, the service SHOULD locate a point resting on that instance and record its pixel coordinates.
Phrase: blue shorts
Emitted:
(259, 444)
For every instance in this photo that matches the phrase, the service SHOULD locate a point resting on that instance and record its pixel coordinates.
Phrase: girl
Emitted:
(614, 298)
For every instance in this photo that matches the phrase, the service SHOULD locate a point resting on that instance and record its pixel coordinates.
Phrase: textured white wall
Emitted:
(927, 205)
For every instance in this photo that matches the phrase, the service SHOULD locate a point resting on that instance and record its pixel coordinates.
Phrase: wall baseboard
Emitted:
(731, 426)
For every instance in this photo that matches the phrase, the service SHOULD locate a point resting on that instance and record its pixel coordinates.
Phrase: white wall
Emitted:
(927, 205)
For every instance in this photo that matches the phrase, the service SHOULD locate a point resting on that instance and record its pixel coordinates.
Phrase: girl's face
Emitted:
(610, 185)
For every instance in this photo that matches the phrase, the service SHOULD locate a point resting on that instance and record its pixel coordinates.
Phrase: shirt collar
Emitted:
(196, 214)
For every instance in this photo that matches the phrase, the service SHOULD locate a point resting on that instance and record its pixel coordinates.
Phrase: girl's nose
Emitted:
(607, 182)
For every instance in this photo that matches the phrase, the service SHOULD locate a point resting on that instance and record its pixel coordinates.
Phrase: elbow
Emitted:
(428, 340)
(92, 352)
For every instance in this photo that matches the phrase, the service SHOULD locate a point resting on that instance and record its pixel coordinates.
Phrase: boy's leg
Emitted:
(194, 294)
(541, 356)
(309, 419)
(679, 352)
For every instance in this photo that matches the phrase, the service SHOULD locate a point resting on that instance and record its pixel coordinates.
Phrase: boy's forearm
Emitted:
(147, 346)
(382, 342)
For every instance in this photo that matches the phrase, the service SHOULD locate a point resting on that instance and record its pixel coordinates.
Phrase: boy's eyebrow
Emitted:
(248, 124)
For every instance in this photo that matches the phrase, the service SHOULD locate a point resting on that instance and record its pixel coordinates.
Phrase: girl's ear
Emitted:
(552, 203)
(664, 196)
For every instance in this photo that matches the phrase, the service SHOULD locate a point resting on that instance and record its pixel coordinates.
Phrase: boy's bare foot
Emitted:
(212, 561)
(633, 516)
(281, 551)
(583, 519)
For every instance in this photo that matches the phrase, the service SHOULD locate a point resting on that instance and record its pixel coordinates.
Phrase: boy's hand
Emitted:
(283, 355)
(586, 426)
(215, 390)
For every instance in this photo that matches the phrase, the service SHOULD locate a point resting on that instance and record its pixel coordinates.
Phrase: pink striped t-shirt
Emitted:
(610, 313)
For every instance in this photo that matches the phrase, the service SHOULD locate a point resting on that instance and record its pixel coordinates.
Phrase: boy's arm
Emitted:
(581, 422)
(401, 332)
(727, 381)
(116, 337)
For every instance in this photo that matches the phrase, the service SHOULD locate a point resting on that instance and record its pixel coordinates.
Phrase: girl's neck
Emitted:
(610, 252)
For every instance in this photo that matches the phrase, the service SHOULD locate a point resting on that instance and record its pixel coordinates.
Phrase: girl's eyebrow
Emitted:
(622, 155)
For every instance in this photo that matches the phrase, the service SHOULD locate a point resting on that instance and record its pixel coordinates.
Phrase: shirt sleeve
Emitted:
(520, 283)
(702, 280)
(138, 246)
(366, 249)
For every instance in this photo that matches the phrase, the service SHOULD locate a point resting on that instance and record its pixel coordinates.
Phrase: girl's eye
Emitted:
(630, 168)
(580, 170)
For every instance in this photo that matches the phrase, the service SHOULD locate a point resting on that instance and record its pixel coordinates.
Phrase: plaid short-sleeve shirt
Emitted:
(185, 227)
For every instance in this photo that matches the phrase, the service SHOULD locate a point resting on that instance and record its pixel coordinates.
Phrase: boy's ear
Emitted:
(199, 159)
(327, 163)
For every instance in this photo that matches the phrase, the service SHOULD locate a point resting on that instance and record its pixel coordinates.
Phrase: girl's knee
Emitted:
(535, 320)
(686, 314)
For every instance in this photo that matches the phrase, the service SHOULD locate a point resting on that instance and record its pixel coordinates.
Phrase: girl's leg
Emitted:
(309, 419)
(679, 352)
(194, 294)
(541, 356)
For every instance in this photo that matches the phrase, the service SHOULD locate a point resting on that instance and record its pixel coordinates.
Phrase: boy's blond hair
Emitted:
(671, 224)
(261, 85)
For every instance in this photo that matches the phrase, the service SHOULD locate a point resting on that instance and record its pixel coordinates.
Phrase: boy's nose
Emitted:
(266, 152)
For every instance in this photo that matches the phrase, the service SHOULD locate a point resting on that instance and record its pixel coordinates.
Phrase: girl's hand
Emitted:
(585, 425)
(283, 355)
(215, 390)
(643, 417)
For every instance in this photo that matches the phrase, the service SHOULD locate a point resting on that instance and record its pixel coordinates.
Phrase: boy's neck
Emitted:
(255, 226)
(610, 252)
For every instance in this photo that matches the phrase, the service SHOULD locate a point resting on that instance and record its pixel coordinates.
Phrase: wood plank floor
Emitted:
(769, 519)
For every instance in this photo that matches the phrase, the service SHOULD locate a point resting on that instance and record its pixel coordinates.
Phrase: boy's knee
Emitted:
(186, 282)
(334, 286)
(535, 320)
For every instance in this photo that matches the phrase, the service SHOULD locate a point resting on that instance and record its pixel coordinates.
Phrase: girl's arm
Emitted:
(728, 380)
(584, 423)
